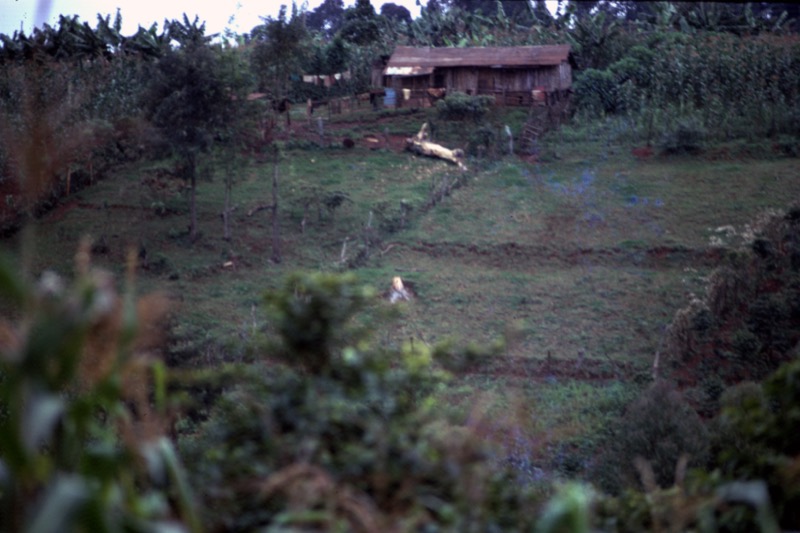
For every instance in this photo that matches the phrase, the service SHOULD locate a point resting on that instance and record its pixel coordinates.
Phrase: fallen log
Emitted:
(421, 146)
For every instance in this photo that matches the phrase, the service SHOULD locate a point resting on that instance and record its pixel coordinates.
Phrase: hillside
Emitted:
(587, 252)
(547, 285)
(575, 262)
(231, 299)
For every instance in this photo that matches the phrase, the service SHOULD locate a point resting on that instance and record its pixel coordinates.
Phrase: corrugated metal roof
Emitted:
(498, 57)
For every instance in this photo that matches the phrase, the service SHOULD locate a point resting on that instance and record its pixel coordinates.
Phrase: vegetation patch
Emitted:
(234, 301)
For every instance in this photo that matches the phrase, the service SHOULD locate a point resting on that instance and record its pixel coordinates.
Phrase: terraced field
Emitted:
(572, 263)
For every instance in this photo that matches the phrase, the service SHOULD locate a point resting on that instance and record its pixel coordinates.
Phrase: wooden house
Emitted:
(514, 75)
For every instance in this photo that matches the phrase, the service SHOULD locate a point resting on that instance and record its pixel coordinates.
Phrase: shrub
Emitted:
(461, 106)
(686, 136)
(768, 319)
(787, 145)
(82, 410)
(742, 408)
(756, 438)
(749, 315)
(482, 141)
(659, 427)
(344, 437)
(596, 91)
(745, 343)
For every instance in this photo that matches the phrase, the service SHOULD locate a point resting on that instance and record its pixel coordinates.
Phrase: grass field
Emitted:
(580, 255)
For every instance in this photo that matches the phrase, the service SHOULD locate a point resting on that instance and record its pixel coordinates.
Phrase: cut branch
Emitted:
(421, 146)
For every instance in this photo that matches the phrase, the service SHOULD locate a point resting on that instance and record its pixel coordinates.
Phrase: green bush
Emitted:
(659, 427)
(461, 106)
(686, 136)
(751, 314)
(82, 410)
(768, 318)
(344, 435)
(482, 141)
(745, 344)
(596, 91)
(787, 145)
(756, 438)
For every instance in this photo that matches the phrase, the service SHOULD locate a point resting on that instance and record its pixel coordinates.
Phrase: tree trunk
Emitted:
(226, 211)
(192, 171)
(276, 238)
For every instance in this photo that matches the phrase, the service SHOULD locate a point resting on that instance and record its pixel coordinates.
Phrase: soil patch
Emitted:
(548, 369)
(520, 256)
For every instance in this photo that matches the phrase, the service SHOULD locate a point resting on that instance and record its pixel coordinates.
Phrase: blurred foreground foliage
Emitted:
(719, 425)
(83, 409)
(343, 434)
(329, 431)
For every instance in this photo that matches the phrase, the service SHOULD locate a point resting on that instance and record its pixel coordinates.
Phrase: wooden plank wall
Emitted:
(508, 86)
(488, 80)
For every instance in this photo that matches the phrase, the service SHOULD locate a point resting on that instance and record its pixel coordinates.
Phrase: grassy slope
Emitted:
(586, 255)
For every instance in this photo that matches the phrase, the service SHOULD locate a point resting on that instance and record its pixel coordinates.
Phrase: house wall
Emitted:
(488, 80)
(492, 81)
(565, 76)
(415, 83)
(410, 90)
(509, 86)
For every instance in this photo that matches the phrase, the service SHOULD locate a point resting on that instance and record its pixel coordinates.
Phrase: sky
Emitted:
(238, 15)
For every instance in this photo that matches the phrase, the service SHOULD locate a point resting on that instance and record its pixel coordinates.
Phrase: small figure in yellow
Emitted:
(398, 292)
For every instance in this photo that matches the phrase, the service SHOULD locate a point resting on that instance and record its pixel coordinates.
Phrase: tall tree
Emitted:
(362, 26)
(541, 13)
(514, 9)
(630, 11)
(336, 56)
(327, 18)
(593, 35)
(441, 26)
(189, 102)
(741, 19)
(241, 132)
(396, 13)
(279, 50)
